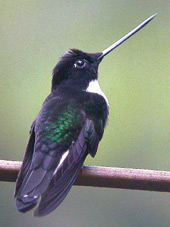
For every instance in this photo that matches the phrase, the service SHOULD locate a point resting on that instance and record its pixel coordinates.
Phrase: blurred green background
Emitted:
(135, 77)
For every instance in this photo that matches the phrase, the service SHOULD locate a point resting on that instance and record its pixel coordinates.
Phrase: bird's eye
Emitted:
(80, 64)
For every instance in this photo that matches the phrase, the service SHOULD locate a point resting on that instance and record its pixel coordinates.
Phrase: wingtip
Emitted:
(40, 213)
(36, 213)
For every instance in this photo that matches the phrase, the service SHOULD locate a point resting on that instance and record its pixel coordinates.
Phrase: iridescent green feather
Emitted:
(66, 127)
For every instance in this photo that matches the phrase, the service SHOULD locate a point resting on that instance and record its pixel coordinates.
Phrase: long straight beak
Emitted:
(120, 41)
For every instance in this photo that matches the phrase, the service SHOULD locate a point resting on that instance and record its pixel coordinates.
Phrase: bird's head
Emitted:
(78, 68)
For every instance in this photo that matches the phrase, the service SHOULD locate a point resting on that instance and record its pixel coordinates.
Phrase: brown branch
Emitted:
(96, 176)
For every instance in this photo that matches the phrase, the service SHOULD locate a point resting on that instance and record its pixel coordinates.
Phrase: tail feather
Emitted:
(52, 186)
(57, 191)
(25, 204)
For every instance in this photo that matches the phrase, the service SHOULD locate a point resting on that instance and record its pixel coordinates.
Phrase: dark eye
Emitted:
(80, 64)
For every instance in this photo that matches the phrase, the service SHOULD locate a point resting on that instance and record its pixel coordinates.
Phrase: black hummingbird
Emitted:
(68, 128)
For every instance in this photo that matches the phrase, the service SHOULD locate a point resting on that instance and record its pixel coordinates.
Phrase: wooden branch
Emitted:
(109, 177)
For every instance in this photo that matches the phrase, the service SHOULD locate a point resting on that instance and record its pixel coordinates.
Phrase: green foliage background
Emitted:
(135, 77)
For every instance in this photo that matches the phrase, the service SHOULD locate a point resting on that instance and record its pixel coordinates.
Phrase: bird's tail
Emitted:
(58, 190)
(26, 203)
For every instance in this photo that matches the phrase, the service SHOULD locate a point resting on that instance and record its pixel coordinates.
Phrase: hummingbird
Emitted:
(68, 127)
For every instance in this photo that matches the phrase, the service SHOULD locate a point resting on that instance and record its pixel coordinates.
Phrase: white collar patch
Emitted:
(94, 87)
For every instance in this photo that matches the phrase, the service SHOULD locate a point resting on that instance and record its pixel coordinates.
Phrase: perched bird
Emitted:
(68, 128)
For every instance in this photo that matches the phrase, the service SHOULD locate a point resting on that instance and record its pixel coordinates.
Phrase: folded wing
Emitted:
(54, 156)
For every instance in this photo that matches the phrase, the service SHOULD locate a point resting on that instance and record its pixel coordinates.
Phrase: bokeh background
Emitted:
(135, 77)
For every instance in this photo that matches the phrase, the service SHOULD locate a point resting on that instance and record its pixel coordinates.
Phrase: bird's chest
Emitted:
(95, 107)
(94, 88)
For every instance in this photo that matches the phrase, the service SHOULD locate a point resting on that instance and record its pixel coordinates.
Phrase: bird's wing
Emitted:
(27, 158)
(60, 147)
(64, 178)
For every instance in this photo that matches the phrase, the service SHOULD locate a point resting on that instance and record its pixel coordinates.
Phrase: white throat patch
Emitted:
(94, 87)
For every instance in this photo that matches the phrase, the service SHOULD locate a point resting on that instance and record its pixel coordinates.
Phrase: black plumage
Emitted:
(67, 129)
